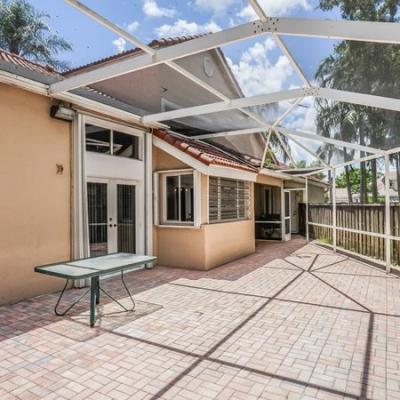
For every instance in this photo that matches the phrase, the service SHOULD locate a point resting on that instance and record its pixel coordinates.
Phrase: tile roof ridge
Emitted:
(161, 42)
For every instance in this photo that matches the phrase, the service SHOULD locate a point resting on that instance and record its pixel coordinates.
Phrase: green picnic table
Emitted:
(93, 268)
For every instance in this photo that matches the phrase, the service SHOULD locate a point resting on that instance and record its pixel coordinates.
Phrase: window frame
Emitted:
(196, 200)
(117, 128)
(219, 219)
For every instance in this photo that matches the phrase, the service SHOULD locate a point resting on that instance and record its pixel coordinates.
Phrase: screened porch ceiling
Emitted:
(193, 88)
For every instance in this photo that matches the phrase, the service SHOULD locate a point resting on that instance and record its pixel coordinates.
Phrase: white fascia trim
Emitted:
(23, 83)
(231, 105)
(223, 172)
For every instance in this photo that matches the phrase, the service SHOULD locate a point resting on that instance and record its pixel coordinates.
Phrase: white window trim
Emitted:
(160, 177)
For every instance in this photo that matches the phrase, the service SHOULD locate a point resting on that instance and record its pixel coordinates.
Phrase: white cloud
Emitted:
(132, 27)
(302, 117)
(273, 8)
(216, 6)
(120, 44)
(256, 74)
(152, 9)
(182, 27)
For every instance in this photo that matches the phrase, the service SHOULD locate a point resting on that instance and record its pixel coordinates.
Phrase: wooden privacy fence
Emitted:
(369, 218)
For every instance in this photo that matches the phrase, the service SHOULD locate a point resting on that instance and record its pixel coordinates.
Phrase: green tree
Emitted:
(25, 32)
(372, 68)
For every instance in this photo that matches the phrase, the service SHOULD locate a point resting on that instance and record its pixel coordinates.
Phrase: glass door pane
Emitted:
(126, 218)
(97, 218)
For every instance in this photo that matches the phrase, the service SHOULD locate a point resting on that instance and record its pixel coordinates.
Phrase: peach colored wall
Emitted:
(207, 246)
(181, 247)
(228, 241)
(164, 161)
(35, 200)
(269, 180)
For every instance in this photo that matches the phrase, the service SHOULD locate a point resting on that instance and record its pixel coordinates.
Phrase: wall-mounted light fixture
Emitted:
(61, 112)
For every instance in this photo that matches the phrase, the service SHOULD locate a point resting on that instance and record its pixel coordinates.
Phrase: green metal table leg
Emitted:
(98, 290)
(93, 291)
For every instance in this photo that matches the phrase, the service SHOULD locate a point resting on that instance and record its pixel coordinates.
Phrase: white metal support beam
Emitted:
(334, 221)
(380, 32)
(266, 148)
(287, 112)
(333, 94)
(319, 138)
(310, 152)
(149, 50)
(293, 133)
(232, 105)
(285, 148)
(369, 100)
(263, 17)
(388, 252)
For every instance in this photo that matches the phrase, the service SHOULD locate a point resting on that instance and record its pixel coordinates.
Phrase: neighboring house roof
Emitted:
(204, 152)
(342, 196)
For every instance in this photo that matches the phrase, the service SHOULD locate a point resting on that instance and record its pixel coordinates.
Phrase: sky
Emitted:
(258, 64)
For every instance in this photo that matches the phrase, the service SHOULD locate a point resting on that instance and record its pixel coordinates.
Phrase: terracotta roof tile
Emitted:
(23, 62)
(204, 152)
(156, 43)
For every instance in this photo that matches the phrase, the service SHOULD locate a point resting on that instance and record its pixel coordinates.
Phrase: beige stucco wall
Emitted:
(316, 192)
(35, 200)
(269, 180)
(228, 241)
(209, 245)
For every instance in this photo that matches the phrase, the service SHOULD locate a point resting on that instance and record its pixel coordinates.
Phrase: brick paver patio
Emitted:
(292, 321)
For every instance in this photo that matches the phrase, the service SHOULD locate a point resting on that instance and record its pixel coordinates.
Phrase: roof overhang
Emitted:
(210, 170)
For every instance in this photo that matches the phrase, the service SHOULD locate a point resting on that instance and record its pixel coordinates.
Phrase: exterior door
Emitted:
(287, 215)
(111, 217)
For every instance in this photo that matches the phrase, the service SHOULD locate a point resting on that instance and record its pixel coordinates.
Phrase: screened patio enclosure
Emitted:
(345, 133)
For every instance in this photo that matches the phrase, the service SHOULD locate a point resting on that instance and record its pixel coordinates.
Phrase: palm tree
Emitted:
(25, 32)
(366, 68)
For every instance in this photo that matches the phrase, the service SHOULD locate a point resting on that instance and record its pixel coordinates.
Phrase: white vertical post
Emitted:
(148, 179)
(387, 215)
(197, 198)
(306, 201)
(334, 208)
(283, 225)
(80, 225)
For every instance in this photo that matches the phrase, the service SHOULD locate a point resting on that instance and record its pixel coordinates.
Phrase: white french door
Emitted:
(111, 216)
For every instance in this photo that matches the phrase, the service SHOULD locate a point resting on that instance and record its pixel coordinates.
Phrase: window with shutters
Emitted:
(228, 200)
